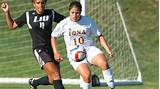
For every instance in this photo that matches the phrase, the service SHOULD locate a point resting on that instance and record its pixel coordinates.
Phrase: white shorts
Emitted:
(91, 51)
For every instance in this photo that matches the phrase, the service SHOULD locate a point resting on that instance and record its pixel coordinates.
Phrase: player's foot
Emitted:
(31, 84)
(111, 88)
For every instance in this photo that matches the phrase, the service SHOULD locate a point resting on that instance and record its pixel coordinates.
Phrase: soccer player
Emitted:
(39, 22)
(78, 32)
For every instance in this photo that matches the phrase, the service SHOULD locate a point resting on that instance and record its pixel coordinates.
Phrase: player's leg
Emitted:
(36, 82)
(45, 59)
(95, 56)
(81, 81)
(41, 81)
(100, 61)
(85, 73)
(83, 69)
(53, 75)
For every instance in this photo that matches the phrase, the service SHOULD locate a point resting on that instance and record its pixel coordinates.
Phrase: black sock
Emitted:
(58, 84)
(41, 81)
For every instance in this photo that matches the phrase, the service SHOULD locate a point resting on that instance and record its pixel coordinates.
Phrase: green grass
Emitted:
(15, 86)
(141, 18)
(142, 21)
(21, 86)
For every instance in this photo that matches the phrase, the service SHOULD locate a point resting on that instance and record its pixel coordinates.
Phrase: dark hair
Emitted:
(43, 0)
(75, 4)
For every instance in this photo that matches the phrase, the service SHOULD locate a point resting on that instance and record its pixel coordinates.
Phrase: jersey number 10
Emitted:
(79, 40)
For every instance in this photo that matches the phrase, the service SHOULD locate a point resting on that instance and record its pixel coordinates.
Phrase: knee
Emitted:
(104, 65)
(54, 75)
(52, 71)
(87, 77)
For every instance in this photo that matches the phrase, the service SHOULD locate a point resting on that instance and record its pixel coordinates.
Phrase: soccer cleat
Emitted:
(95, 80)
(111, 88)
(31, 84)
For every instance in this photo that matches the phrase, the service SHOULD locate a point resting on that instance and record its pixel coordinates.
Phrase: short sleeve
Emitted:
(57, 17)
(20, 21)
(58, 30)
(94, 29)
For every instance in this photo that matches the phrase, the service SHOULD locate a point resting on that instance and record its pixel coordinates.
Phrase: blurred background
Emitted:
(141, 18)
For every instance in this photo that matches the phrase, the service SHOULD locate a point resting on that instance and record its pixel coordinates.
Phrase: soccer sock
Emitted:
(58, 84)
(41, 81)
(107, 74)
(87, 85)
(81, 82)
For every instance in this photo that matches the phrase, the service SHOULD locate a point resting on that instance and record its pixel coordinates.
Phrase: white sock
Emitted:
(81, 82)
(108, 76)
(87, 85)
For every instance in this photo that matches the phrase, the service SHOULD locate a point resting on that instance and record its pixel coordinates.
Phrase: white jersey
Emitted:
(77, 33)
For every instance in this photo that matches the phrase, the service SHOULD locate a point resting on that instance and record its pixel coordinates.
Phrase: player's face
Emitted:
(75, 14)
(39, 6)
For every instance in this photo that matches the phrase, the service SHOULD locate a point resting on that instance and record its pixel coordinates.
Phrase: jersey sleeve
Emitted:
(94, 29)
(57, 17)
(58, 30)
(20, 21)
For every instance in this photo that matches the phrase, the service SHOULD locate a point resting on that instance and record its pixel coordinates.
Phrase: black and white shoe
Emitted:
(31, 84)
(111, 88)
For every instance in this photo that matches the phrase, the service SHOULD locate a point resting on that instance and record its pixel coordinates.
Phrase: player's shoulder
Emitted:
(30, 12)
(65, 20)
(85, 18)
(48, 11)
(25, 12)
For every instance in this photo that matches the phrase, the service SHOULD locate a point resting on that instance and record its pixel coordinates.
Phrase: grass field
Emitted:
(141, 18)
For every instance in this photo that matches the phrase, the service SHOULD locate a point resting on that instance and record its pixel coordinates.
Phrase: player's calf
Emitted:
(58, 84)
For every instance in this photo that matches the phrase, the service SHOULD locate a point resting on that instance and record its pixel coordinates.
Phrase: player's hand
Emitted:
(111, 55)
(58, 57)
(5, 7)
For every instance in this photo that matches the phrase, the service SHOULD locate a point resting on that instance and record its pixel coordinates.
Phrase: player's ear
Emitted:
(33, 3)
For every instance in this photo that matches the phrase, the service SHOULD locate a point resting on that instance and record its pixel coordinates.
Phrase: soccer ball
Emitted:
(78, 54)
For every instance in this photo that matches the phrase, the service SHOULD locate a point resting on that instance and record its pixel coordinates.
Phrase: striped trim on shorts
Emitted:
(43, 56)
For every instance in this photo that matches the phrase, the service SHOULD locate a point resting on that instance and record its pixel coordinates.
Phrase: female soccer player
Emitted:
(78, 31)
(39, 22)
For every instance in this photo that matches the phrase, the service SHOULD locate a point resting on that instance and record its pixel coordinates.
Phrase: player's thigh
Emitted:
(92, 52)
(51, 68)
(76, 64)
(52, 71)
(100, 61)
(83, 69)
(95, 56)
(46, 60)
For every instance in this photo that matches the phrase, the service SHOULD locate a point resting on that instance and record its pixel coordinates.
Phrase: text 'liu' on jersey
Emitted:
(40, 26)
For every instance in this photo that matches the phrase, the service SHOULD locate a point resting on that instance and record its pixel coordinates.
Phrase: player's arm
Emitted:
(57, 55)
(10, 22)
(58, 17)
(57, 32)
(105, 45)
(54, 36)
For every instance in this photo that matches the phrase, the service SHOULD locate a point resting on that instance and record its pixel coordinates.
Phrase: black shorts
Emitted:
(43, 56)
